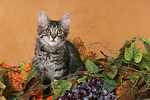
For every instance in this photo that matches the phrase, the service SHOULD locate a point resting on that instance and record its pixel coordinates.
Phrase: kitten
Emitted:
(55, 56)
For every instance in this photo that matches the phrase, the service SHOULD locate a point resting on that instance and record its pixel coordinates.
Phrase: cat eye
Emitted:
(48, 30)
(59, 31)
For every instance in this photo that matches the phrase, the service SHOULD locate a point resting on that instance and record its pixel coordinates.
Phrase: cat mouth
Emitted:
(53, 41)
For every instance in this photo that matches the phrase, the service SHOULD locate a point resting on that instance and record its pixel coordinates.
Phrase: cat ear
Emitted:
(43, 18)
(65, 21)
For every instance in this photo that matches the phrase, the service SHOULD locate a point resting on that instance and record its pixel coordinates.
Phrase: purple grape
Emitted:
(89, 95)
(91, 90)
(74, 97)
(60, 98)
(85, 98)
(67, 98)
(80, 96)
(94, 80)
(104, 92)
(75, 91)
(82, 92)
(100, 98)
(67, 91)
(98, 84)
(68, 94)
(107, 97)
(80, 85)
(88, 88)
(88, 80)
(94, 90)
(94, 96)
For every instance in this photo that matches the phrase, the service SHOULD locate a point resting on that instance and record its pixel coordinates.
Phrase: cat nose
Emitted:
(53, 36)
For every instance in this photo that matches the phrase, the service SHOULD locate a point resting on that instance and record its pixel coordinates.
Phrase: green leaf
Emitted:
(144, 65)
(127, 43)
(133, 52)
(113, 72)
(137, 55)
(122, 72)
(1, 74)
(83, 79)
(117, 55)
(65, 85)
(57, 92)
(91, 67)
(132, 76)
(56, 88)
(109, 85)
(128, 54)
(105, 75)
(2, 87)
(146, 57)
(119, 79)
(22, 65)
(31, 75)
(146, 45)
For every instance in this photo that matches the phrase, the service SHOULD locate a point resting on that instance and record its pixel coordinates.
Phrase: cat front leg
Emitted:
(39, 67)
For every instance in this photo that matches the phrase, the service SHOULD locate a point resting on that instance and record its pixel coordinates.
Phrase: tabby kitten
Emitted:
(55, 56)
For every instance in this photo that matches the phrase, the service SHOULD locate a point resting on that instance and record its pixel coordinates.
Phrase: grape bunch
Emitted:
(91, 90)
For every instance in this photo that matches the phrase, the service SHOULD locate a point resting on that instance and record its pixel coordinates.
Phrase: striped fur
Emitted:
(55, 56)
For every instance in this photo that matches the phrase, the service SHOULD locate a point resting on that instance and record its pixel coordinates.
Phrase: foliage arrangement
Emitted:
(128, 73)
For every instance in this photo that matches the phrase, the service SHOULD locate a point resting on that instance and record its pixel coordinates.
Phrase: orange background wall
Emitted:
(110, 22)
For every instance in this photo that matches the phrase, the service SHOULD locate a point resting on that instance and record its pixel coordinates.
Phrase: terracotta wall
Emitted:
(110, 22)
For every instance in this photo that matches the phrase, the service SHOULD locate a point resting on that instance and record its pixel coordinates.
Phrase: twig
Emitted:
(12, 68)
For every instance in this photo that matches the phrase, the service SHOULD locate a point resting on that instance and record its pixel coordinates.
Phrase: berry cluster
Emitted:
(91, 90)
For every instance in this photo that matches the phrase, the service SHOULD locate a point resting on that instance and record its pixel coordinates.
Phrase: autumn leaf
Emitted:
(31, 89)
(5, 65)
(16, 80)
(78, 41)
(127, 91)
(39, 96)
(51, 97)
(82, 51)
(91, 55)
(79, 45)
(28, 67)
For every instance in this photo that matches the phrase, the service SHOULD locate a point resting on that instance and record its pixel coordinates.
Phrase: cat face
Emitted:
(53, 33)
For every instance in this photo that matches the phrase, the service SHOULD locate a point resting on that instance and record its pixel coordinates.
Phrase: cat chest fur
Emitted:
(54, 63)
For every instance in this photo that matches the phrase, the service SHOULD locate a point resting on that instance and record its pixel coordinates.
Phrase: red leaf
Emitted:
(39, 96)
(127, 91)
